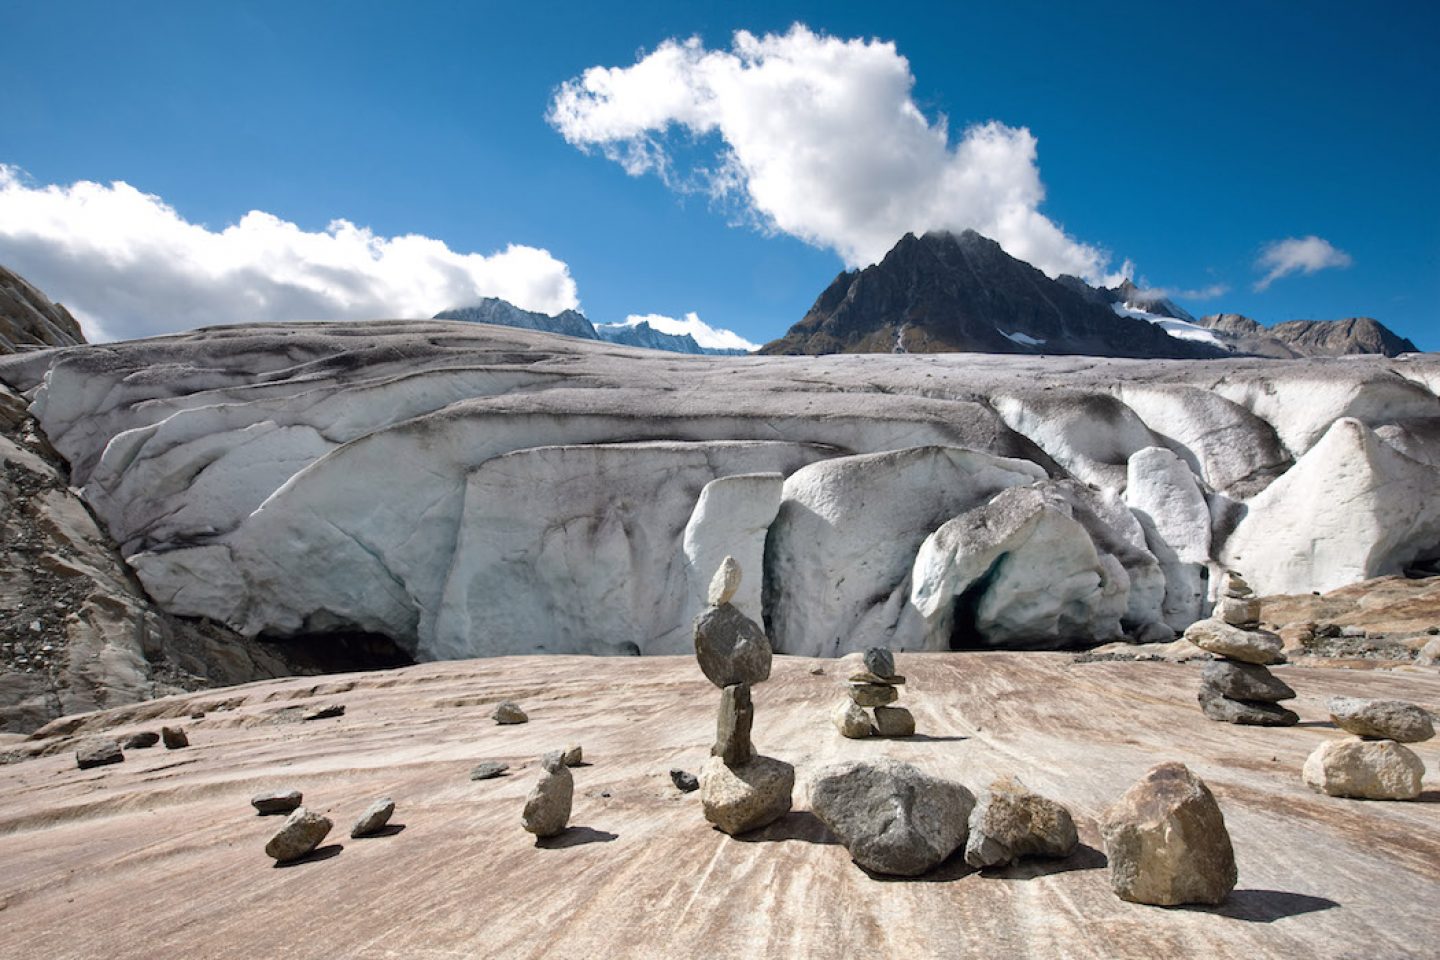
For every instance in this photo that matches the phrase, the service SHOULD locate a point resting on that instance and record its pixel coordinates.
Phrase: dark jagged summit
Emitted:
(29, 320)
(946, 292)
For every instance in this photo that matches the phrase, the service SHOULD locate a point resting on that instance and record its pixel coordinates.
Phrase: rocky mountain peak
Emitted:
(29, 320)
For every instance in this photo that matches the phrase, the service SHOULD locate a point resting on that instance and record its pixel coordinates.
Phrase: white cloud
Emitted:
(821, 139)
(704, 334)
(129, 265)
(1298, 255)
(1176, 293)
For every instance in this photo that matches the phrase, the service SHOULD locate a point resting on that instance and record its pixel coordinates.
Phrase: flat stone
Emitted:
(1250, 713)
(1166, 841)
(880, 661)
(547, 809)
(101, 753)
(324, 712)
(732, 726)
(1244, 681)
(488, 770)
(852, 721)
(873, 694)
(684, 781)
(730, 647)
(143, 740)
(1238, 611)
(725, 583)
(892, 818)
(174, 737)
(1222, 639)
(275, 801)
(508, 712)
(894, 722)
(1382, 719)
(740, 799)
(573, 756)
(865, 676)
(1010, 822)
(374, 819)
(1364, 770)
(301, 833)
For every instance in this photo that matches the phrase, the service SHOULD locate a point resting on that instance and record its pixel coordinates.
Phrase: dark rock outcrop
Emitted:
(29, 321)
(1307, 338)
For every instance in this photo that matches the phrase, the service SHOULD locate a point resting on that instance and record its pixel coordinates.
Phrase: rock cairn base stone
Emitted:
(1364, 770)
(1166, 841)
(301, 833)
(374, 819)
(1250, 713)
(891, 817)
(852, 721)
(274, 802)
(1010, 822)
(1382, 719)
(894, 722)
(740, 799)
(547, 809)
(1244, 681)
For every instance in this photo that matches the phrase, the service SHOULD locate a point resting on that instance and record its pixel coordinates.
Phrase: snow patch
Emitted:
(1179, 329)
(1023, 339)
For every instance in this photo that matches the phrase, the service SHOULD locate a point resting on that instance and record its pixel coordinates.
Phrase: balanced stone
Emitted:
(174, 737)
(374, 819)
(730, 647)
(1364, 770)
(1222, 639)
(1244, 681)
(725, 583)
(891, 817)
(880, 661)
(852, 721)
(1382, 719)
(508, 712)
(1235, 586)
(894, 722)
(1238, 611)
(872, 694)
(98, 754)
(275, 801)
(732, 726)
(1166, 841)
(143, 740)
(574, 755)
(684, 781)
(488, 770)
(547, 809)
(1010, 822)
(1250, 713)
(740, 799)
(301, 832)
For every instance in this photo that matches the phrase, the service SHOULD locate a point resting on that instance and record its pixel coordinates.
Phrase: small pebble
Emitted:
(684, 782)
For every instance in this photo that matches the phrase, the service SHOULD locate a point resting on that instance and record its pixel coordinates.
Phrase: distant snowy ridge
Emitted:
(652, 332)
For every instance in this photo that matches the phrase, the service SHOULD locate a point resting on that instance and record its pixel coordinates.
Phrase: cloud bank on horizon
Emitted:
(704, 334)
(1305, 255)
(129, 265)
(821, 139)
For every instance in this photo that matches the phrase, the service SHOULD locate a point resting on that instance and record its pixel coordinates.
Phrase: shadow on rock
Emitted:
(1085, 857)
(1321, 724)
(795, 825)
(1428, 796)
(575, 837)
(953, 868)
(1267, 906)
(389, 830)
(927, 738)
(328, 852)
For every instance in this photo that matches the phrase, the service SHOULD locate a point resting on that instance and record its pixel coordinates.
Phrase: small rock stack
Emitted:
(739, 789)
(871, 684)
(1373, 764)
(1238, 688)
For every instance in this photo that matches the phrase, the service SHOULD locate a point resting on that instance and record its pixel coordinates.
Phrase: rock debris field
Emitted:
(163, 854)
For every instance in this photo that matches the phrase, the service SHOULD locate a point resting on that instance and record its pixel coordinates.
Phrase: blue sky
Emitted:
(1183, 138)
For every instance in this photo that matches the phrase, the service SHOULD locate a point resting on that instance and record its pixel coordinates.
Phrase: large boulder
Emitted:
(1166, 841)
(1364, 770)
(893, 818)
(1010, 822)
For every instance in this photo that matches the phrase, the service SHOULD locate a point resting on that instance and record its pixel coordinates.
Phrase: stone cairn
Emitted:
(1373, 764)
(739, 789)
(1238, 688)
(872, 685)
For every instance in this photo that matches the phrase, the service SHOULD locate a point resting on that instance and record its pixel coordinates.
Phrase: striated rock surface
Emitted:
(29, 321)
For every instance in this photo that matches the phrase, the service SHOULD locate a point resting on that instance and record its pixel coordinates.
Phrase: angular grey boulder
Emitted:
(1010, 822)
(1244, 681)
(274, 802)
(744, 798)
(508, 712)
(1364, 770)
(1250, 713)
(301, 833)
(730, 647)
(374, 819)
(547, 809)
(1382, 719)
(892, 818)
(101, 753)
(1166, 841)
